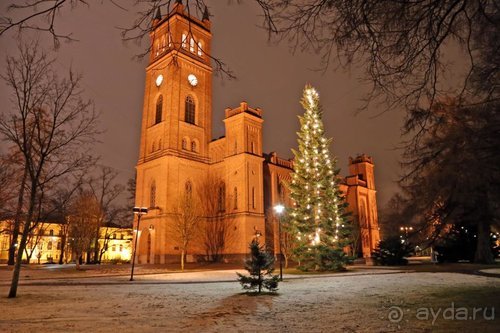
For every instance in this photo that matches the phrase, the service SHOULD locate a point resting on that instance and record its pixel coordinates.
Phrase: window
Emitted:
(221, 202)
(253, 147)
(184, 144)
(200, 49)
(183, 41)
(169, 40)
(58, 245)
(193, 146)
(189, 110)
(49, 246)
(163, 44)
(113, 248)
(188, 188)
(51, 232)
(152, 195)
(153, 148)
(159, 109)
(191, 45)
(235, 195)
(121, 247)
(121, 236)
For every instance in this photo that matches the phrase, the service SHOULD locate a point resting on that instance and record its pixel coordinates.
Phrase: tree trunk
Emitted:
(17, 267)
(63, 247)
(17, 220)
(483, 253)
(182, 260)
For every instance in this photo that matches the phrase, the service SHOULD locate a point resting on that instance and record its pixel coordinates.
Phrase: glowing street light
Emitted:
(139, 211)
(279, 209)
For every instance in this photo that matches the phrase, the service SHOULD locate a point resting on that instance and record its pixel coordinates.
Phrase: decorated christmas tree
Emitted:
(318, 216)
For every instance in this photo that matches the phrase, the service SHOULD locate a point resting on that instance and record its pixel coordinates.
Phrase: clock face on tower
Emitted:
(159, 80)
(193, 80)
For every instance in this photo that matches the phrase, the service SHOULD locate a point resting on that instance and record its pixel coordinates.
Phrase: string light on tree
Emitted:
(318, 212)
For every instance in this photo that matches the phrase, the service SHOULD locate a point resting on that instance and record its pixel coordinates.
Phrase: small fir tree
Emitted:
(260, 266)
(318, 215)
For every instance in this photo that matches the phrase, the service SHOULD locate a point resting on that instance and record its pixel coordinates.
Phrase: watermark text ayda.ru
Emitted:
(453, 312)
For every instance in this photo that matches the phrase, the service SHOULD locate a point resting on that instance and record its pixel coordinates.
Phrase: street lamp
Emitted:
(139, 211)
(279, 208)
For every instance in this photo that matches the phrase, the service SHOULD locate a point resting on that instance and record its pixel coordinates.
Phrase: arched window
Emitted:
(194, 147)
(235, 198)
(163, 44)
(184, 41)
(153, 148)
(189, 110)
(152, 195)
(184, 143)
(188, 187)
(191, 45)
(200, 49)
(221, 202)
(159, 109)
(281, 191)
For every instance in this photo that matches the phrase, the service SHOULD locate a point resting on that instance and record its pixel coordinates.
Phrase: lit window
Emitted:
(159, 109)
(183, 41)
(191, 45)
(200, 49)
(190, 108)
(169, 39)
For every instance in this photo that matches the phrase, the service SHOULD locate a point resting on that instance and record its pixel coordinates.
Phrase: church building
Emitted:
(177, 154)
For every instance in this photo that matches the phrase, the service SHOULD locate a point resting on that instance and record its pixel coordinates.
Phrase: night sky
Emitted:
(269, 76)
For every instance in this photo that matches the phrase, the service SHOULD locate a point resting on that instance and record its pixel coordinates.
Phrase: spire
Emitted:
(206, 14)
(158, 14)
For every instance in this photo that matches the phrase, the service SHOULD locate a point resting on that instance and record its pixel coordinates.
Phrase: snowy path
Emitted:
(348, 303)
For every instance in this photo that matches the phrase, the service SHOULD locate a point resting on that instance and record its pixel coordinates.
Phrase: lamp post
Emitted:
(279, 208)
(139, 211)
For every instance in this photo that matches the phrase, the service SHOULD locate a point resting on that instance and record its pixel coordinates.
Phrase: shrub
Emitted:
(392, 252)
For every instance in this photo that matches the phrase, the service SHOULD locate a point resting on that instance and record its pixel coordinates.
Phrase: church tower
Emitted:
(176, 124)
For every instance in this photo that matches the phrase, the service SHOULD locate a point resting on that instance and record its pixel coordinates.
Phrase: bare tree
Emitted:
(400, 44)
(49, 123)
(218, 225)
(186, 223)
(105, 191)
(83, 223)
(42, 16)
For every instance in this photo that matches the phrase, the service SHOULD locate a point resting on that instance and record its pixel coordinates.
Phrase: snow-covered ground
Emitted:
(199, 302)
